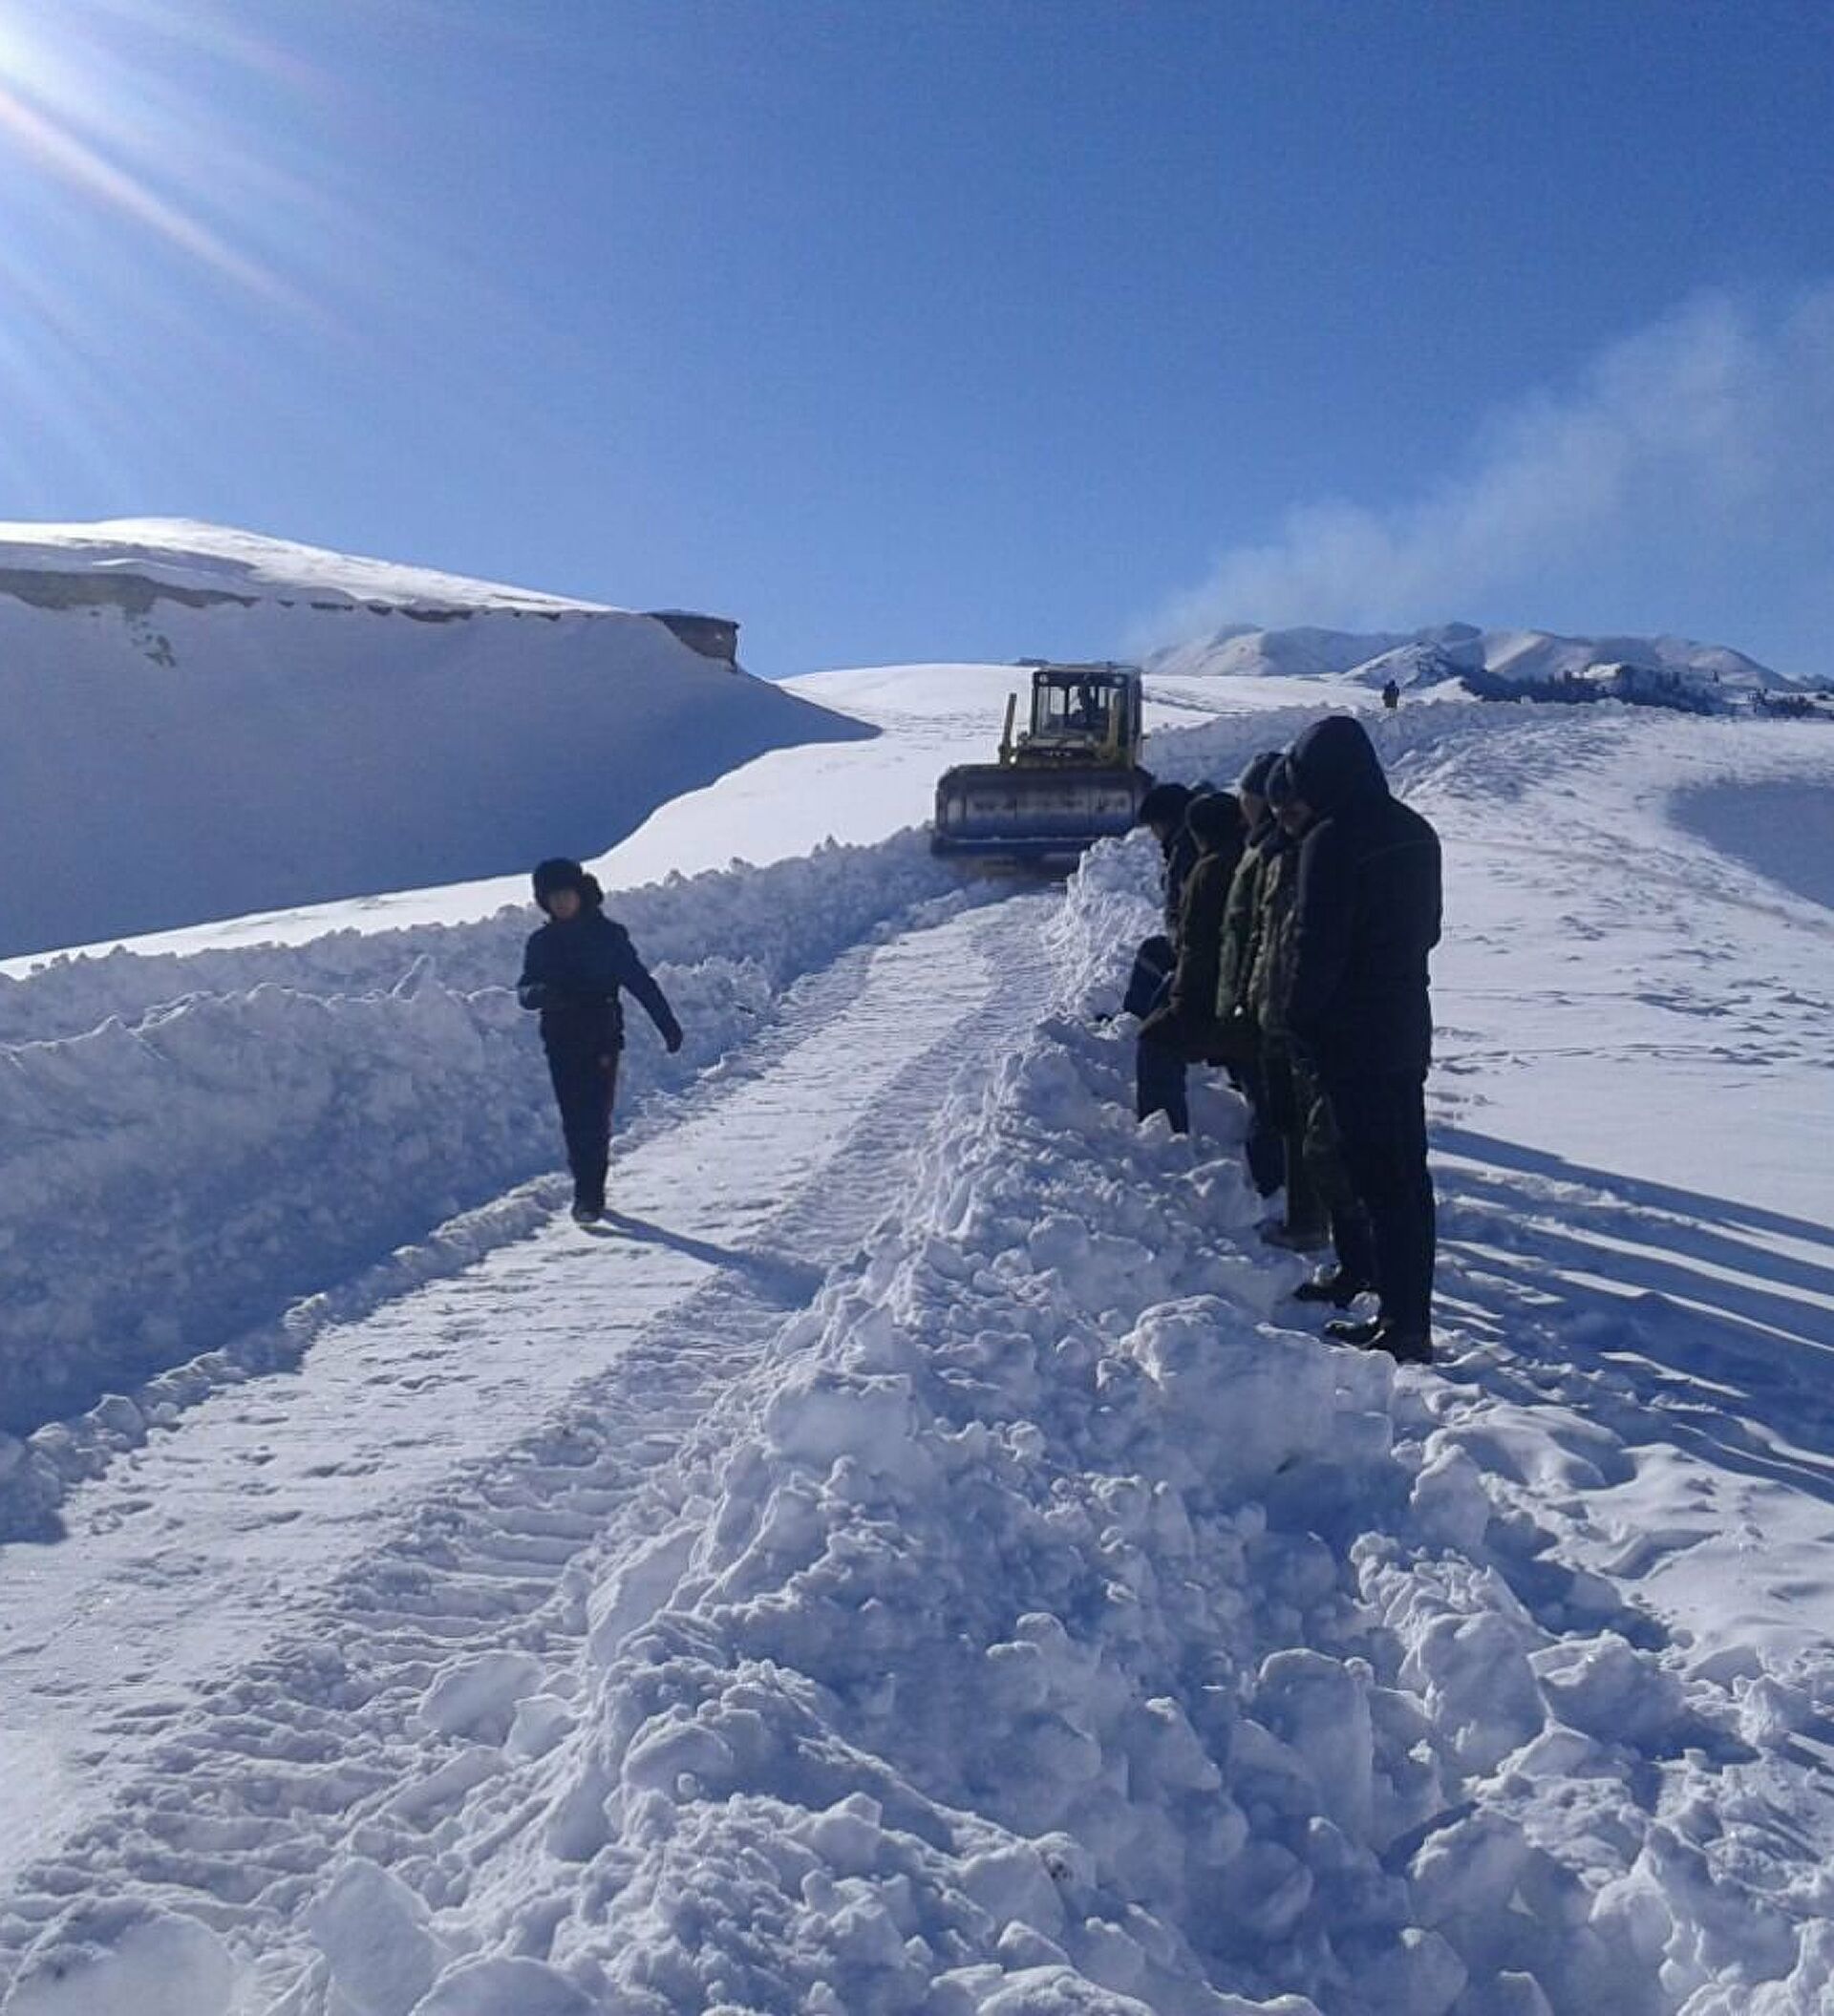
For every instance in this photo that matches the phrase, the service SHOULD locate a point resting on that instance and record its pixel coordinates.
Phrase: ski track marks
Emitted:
(500, 1421)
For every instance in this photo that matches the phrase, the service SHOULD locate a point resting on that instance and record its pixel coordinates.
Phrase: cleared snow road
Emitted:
(515, 1403)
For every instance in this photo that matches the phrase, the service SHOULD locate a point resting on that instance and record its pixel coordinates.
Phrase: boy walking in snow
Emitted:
(1366, 915)
(572, 970)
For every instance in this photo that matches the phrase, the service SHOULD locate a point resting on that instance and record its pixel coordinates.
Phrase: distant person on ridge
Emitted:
(572, 970)
(1366, 914)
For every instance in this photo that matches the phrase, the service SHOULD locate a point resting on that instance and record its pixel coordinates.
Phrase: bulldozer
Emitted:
(1070, 779)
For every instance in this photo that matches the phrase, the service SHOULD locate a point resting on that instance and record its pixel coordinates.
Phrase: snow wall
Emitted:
(172, 760)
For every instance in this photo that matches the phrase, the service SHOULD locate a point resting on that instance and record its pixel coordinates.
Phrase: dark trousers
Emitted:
(1266, 1152)
(1158, 1081)
(1159, 1065)
(1323, 1152)
(1153, 966)
(584, 1084)
(1286, 1115)
(1381, 1132)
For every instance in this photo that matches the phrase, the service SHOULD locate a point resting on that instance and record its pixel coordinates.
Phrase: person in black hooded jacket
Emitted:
(573, 969)
(1366, 916)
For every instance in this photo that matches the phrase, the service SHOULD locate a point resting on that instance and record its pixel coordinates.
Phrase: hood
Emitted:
(1334, 764)
(1214, 822)
(559, 873)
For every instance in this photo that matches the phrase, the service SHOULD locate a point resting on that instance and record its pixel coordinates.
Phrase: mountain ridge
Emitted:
(1448, 650)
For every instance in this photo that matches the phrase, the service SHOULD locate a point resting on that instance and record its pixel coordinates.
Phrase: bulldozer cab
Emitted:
(1083, 711)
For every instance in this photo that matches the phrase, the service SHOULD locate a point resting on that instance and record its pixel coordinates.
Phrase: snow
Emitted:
(217, 560)
(248, 725)
(1514, 657)
(916, 1558)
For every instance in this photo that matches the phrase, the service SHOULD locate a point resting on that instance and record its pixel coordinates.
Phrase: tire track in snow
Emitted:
(245, 1765)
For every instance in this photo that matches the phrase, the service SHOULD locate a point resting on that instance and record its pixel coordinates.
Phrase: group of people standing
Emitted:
(1300, 911)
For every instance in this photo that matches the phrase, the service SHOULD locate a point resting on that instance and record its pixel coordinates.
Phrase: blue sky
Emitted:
(907, 330)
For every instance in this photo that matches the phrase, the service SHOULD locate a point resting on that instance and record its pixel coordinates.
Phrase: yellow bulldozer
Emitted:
(1071, 778)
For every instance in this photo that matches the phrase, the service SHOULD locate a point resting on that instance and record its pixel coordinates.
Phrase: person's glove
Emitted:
(671, 1038)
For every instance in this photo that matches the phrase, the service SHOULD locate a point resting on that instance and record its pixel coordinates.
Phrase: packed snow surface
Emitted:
(916, 1558)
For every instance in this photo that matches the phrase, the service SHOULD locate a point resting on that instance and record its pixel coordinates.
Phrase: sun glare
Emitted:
(157, 182)
(83, 111)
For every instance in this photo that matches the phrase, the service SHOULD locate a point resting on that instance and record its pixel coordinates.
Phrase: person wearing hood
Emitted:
(1241, 920)
(1301, 1225)
(1182, 1027)
(573, 970)
(1366, 915)
(1162, 812)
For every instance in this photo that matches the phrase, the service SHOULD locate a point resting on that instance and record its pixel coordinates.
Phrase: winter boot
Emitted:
(1405, 1346)
(1402, 1343)
(1337, 1285)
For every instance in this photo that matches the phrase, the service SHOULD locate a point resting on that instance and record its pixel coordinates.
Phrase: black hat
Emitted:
(1214, 818)
(558, 874)
(1254, 778)
(1280, 786)
(1163, 805)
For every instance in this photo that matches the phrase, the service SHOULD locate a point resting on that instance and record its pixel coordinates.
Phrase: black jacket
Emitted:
(1180, 858)
(1242, 919)
(572, 972)
(1189, 1006)
(1366, 912)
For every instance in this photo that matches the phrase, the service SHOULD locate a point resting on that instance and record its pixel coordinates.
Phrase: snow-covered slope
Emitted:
(920, 1559)
(131, 560)
(201, 724)
(1429, 657)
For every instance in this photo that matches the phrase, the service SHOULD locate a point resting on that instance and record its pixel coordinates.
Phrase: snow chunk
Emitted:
(1448, 1499)
(1260, 1401)
(477, 1697)
(505, 1987)
(820, 1418)
(126, 1957)
(1612, 1692)
(373, 1932)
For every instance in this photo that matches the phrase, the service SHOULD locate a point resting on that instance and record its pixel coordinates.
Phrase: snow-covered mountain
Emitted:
(202, 723)
(919, 1558)
(1444, 654)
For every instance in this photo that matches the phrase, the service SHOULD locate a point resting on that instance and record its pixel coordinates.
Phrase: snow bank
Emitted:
(205, 735)
(1050, 1626)
(182, 1171)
